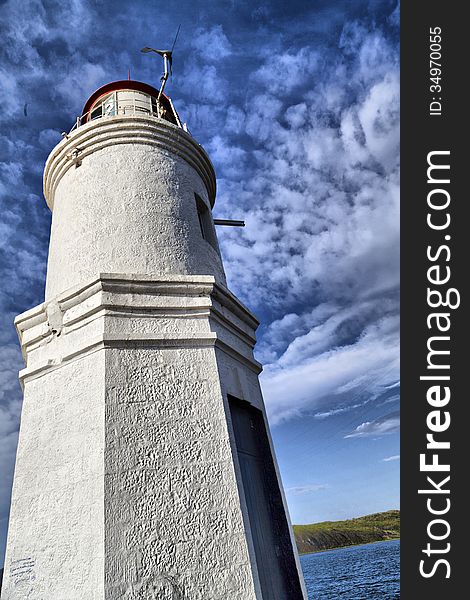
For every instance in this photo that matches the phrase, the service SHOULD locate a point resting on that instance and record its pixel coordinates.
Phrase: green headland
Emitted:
(338, 534)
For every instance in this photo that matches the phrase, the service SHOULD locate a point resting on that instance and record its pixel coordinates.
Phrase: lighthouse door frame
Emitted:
(268, 523)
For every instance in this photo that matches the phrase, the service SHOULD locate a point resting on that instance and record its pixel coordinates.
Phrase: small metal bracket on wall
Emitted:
(74, 156)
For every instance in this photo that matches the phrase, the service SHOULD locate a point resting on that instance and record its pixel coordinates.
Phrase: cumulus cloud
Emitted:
(378, 117)
(321, 203)
(353, 371)
(212, 44)
(283, 72)
(204, 84)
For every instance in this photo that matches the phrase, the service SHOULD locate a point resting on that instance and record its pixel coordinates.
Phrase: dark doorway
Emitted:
(274, 556)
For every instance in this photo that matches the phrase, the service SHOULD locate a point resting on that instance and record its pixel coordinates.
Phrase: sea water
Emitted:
(354, 573)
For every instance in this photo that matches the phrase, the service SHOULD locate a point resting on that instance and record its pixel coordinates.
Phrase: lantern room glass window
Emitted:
(131, 102)
(105, 107)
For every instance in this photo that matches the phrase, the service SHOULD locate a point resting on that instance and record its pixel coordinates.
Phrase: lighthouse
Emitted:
(145, 467)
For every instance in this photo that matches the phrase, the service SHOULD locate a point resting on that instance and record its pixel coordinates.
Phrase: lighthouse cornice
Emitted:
(121, 129)
(119, 310)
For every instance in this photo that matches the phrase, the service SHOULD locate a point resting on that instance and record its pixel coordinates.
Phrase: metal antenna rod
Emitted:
(166, 71)
(229, 222)
(176, 37)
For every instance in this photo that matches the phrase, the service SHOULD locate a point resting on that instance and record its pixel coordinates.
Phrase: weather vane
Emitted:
(167, 62)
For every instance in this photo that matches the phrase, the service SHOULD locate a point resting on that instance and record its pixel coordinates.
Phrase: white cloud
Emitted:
(204, 84)
(262, 114)
(10, 407)
(80, 81)
(306, 489)
(234, 157)
(320, 198)
(297, 115)
(338, 411)
(390, 399)
(363, 368)
(282, 72)
(31, 26)
(292, 327)
(385, 425)
(379, 118)
(212, 44)
(48, 138)
(391, 458)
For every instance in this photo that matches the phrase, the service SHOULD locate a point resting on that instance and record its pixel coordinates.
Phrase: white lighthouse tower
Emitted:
(145, 467)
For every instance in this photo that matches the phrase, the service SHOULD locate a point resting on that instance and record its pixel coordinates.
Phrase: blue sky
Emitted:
(298, 106)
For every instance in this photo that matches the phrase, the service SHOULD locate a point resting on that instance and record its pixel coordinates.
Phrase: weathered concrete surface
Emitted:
(133, 491)
(172, 510)
(56, 537)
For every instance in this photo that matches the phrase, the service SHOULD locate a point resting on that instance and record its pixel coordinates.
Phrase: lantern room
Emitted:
(132, 98)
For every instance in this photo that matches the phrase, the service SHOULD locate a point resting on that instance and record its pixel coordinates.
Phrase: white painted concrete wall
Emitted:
(129, 207)
(122, 380)
(173, 524)
(55, 545)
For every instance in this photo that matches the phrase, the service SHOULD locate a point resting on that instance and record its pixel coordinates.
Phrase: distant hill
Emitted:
(337, 534)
